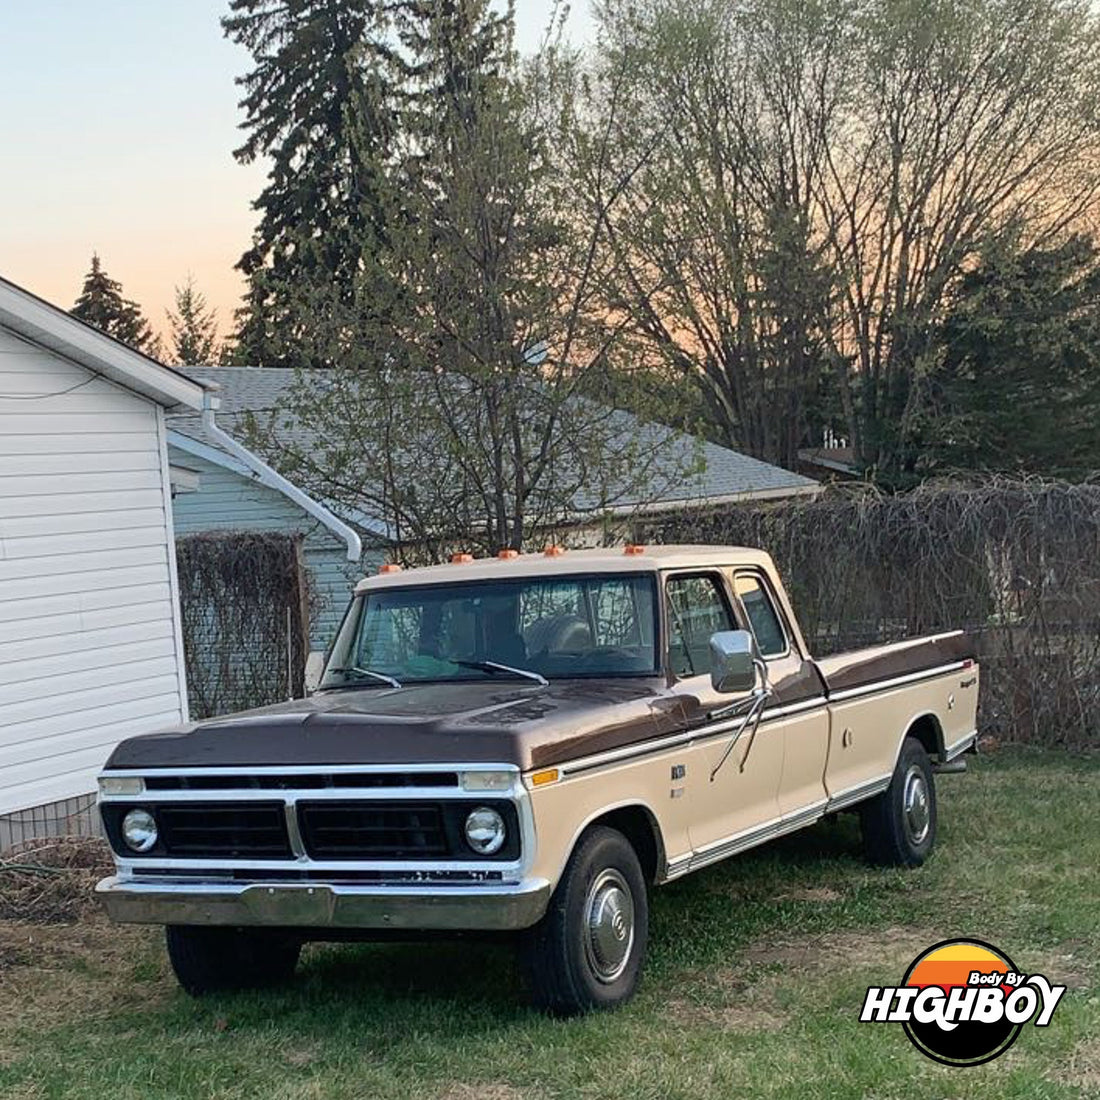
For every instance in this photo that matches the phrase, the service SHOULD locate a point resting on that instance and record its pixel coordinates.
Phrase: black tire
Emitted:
(572, 959)
(216, 959)
(899, 825)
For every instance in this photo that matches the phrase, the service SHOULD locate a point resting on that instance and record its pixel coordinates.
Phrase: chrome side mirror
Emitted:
(733, 661)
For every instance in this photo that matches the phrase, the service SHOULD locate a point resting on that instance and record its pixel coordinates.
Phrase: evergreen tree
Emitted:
(322, 70)
(102, 306)
(1017, 388)
(194, 328)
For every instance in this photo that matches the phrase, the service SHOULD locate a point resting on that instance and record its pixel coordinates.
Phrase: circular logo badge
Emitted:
(952, 965)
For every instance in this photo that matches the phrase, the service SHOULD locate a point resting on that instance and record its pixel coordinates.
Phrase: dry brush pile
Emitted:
(52, 880)
(1017, 563)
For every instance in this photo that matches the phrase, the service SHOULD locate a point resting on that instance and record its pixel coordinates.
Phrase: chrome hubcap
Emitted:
(609, 925)
(917, 805)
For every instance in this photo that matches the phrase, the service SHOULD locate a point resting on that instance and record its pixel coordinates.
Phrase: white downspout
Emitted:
(269, 477)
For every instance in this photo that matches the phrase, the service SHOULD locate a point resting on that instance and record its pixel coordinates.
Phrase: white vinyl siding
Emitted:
(89, 642)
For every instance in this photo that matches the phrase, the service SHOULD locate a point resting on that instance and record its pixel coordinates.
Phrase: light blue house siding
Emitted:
(231, 500)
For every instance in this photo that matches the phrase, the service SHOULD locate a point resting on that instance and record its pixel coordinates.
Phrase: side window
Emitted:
(766, 625)
(696, 610)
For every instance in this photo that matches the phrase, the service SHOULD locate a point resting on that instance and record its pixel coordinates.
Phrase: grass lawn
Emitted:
(756, 973)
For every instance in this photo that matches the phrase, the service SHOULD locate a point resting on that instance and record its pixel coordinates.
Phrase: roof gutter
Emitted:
(273, 480)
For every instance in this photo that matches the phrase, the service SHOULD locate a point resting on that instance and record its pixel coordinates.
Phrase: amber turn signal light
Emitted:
(504, 555)
(461, 559)
(390, 567)
(554, 551)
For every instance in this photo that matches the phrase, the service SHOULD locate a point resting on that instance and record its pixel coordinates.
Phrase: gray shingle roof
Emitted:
(726, 475)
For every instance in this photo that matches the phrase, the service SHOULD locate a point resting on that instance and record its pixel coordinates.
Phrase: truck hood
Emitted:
(478, 722)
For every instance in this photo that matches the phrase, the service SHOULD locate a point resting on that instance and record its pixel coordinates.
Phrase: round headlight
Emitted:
(485, 831)
(139, 830)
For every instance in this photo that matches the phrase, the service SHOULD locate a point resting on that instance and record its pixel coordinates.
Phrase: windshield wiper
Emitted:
(381, 676)
(494, 666)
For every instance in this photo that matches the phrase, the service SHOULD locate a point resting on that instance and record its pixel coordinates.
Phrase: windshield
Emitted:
(595, 625)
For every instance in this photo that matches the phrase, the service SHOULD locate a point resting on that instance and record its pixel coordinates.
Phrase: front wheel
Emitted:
(899, 825)
(587, 951)
(209, 959)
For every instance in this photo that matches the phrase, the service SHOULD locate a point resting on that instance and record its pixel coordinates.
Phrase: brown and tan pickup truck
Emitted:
(525, 745)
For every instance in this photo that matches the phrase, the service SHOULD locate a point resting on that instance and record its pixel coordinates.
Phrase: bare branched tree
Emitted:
(832, 167)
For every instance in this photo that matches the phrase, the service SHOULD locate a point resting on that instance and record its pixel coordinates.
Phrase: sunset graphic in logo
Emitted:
(950, 966)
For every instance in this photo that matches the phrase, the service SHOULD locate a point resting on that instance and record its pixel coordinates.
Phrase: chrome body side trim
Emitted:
(896, 682)
(699, 733)
(747, 838)
(960, 746)
(481, 907)
(771, 714)
(851, 795)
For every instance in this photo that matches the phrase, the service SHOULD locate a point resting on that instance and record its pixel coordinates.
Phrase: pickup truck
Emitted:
(524, 745)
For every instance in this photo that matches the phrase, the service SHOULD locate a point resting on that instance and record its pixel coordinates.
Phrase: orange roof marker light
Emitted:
(506, 554)
(554, 551)
(461, 559)
(389, 567)
(631, 549)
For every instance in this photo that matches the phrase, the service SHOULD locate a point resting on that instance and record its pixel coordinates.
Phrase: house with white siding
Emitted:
(90, 646)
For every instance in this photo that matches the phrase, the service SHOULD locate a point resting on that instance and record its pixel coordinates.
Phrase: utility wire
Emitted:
(43, 396)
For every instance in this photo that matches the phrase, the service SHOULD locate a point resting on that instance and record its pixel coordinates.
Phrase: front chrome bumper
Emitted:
(417, 908)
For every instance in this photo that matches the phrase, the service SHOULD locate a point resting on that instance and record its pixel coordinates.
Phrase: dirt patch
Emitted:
(53, 881)
(303, 1055)
(891, 947)
(55, 971)
(746, 1017)
(820, 895)
(1069, 965)
(1082, 1067)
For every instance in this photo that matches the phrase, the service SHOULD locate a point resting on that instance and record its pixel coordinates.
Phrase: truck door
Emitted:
(796, 715)
(731, 802)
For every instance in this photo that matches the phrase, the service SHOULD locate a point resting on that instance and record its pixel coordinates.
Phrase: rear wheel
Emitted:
(213, 959)
(899, 825)
(587, 951)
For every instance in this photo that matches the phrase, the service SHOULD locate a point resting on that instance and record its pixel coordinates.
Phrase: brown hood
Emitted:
(529, 726)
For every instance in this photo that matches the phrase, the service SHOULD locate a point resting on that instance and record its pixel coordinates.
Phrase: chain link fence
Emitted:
(1016, 563)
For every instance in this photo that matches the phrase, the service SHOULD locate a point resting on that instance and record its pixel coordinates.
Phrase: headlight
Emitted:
(485, 831)
(139, 830)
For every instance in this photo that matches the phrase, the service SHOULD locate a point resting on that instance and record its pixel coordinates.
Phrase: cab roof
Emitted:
(562, 562)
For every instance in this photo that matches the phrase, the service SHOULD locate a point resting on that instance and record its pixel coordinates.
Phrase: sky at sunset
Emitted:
(117, 124)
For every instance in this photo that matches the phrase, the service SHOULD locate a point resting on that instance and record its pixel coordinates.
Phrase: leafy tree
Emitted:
(194, 328)
(102, 306)
(467, 411)
(318, 105)
(1017, 389)
(719, 268)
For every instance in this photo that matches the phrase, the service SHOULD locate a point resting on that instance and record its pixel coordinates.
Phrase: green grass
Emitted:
(756, 973)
